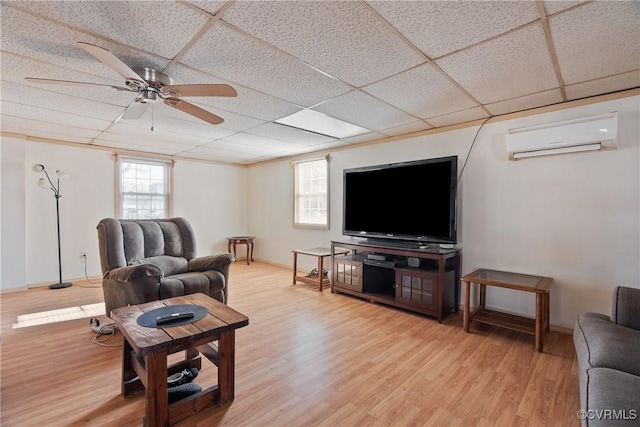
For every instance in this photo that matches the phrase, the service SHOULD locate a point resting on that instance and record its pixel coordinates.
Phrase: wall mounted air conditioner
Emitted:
(571, 136)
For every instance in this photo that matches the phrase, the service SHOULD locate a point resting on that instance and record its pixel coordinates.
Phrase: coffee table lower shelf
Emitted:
(504, 320)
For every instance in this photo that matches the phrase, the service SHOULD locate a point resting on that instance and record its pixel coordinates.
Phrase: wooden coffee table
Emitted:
(145, 351)
(503, 279)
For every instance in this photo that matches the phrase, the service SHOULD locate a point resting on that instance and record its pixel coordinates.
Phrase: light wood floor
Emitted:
(306, 359)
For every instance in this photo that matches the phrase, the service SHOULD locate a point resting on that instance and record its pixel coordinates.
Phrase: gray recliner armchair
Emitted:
(152, 259)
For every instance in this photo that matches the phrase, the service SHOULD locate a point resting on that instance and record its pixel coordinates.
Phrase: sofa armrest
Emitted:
(218, 262)
(626, 307)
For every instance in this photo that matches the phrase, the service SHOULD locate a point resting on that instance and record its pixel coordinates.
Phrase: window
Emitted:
(311, 187)
(143, 189)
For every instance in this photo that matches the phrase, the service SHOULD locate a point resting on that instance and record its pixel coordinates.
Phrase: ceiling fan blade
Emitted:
(198, 112)
(72, 83)
(202, 90)
(110, 60)
(135, 110)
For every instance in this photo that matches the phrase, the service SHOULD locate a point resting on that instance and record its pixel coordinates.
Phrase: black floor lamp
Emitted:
(42, 183)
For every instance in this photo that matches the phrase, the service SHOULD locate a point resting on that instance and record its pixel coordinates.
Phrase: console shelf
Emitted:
(381, 273)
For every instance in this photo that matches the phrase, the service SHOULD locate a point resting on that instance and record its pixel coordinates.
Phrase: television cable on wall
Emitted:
(471, 147)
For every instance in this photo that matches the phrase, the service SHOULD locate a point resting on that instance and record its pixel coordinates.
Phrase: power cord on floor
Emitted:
(107, 330)
(99, 284)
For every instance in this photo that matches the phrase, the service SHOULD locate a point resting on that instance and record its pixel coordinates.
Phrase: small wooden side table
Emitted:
(320, 253)
(241, 240)
(145, 351)
(522, 282)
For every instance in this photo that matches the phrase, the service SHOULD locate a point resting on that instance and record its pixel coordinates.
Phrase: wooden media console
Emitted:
(426, 281)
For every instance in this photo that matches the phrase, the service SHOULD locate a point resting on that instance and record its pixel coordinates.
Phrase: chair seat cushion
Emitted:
(208, 282)
(170, 265)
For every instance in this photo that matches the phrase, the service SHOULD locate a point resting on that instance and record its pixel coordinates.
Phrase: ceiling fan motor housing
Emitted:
(154, 78)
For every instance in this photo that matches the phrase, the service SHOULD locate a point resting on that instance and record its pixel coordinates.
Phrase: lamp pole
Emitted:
(56, 192)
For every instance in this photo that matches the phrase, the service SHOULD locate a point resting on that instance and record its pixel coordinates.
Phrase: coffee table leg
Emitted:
(539, 320)
(295, 266)
(156, 402)
(467, 307)
(226, 368)
(320, 276)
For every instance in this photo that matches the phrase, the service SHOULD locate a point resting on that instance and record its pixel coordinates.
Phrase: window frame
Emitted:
(168, 183)
(297, 222)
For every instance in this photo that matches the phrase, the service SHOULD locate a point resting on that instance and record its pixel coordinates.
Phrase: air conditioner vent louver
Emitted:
(572, 136)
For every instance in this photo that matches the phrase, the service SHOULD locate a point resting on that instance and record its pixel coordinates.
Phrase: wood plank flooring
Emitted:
(306, 359)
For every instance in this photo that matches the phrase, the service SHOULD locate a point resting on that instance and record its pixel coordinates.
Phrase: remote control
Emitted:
(174, 316)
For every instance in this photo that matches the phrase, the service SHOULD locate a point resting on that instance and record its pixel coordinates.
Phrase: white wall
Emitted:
(12, 206)
(570, 217)
(212, 197)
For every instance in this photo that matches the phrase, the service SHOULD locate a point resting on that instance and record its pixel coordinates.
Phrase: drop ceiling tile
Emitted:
(343, 39)
(159, 30)
(233, 56)
(507, 67)
(552, 7)
(261, 141)
(213, 151)
(597, 40)
(134, 147)
(248, 102)
(164, 121)
(405, 129)
(236, 147)
(441, 27)
(139, 133)
(364, 110)
(373, 136)
(28, 95)
(422, 91)
(15, 68)
(43, 128)
(29, 112)
(210, 6)
(43, 40)
(605, 85)
(289, 134)
(525, 102)
(458, 117)
(232, 121)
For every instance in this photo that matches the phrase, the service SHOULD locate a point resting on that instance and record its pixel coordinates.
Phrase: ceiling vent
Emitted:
(572, 136)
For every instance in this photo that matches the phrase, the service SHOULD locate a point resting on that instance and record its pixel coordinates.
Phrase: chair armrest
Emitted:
(626, 307)
(218, 262)
(131, 273)
(134, 284)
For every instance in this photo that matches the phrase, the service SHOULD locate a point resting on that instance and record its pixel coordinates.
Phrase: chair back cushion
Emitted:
(167, 243)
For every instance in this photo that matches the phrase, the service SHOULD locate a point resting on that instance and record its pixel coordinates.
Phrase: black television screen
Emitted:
(412, 201)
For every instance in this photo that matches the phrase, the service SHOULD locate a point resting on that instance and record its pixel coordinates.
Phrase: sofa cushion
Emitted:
(612, 399)
(133, 242)
(208, 282)
(603, 344)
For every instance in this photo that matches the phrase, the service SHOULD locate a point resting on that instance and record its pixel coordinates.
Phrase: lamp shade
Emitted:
(42, 183)
(38, 167)
(61, 174)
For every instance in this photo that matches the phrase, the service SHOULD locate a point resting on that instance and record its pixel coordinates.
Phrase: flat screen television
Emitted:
(413, 202)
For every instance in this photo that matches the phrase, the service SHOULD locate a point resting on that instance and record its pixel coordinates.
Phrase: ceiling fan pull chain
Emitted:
(152, 117)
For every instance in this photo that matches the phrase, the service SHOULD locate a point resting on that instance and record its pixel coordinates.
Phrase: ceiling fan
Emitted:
(150, 85)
